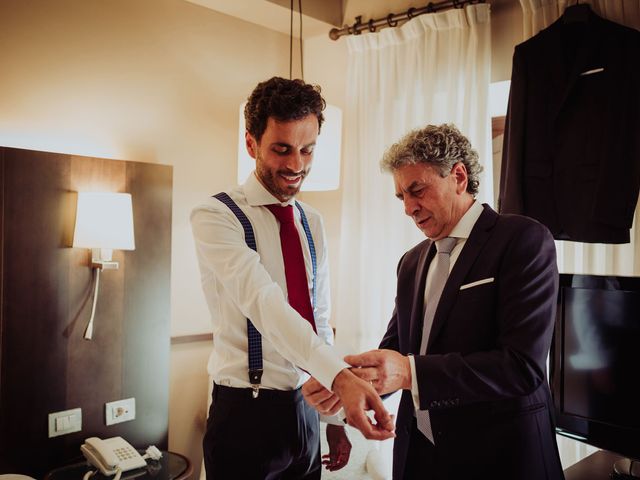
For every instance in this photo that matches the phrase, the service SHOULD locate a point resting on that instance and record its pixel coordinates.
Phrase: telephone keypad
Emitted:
(124, 453)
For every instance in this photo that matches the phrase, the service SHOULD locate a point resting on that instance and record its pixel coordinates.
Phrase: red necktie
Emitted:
(294, 269)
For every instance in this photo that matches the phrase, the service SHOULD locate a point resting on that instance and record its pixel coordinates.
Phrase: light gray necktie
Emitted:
(438, 279)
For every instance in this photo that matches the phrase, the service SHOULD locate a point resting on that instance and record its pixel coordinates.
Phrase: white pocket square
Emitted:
(476, 283)
(591, 72)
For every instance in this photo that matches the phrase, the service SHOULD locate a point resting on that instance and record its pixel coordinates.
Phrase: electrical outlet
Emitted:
(120, 411)
(66, 421)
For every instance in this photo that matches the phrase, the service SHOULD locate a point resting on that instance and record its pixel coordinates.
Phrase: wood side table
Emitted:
(172, 466)
(597, 466)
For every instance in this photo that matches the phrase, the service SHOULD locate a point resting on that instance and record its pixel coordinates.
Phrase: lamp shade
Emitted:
(325, 170)
(104, 220)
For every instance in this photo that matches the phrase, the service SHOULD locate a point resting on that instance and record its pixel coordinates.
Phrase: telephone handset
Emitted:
(112, 455)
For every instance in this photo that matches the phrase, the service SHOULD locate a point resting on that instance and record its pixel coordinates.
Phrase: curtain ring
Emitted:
(372, 27)
(390, 21)
(356, 25)
(410, 12)
(457, 4)
(430, 7)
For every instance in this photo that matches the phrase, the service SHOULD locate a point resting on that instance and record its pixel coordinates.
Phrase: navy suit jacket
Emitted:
(484, 376)
(571, 156)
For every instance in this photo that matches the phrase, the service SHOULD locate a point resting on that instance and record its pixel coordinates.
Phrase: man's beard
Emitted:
(270, 181)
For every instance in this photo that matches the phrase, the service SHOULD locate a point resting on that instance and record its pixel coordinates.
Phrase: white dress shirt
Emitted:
(461, 231)
(239, 283)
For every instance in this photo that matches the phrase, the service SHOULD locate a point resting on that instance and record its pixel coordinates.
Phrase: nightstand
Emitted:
(172, 466)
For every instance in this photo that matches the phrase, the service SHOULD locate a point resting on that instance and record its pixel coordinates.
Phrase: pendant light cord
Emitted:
(301, 57)
(291, 41)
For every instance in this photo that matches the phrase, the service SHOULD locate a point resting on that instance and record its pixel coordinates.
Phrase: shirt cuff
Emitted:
(325, 364)
(338, 419)
(415, 395)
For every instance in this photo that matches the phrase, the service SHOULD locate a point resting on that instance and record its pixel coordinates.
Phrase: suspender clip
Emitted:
(255, 377)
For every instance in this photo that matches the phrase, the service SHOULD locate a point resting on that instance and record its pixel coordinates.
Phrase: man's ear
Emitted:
(252, 145)
(459, 171)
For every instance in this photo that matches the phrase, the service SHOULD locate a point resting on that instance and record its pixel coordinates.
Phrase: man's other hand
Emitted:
(323, 400)
(339, 448)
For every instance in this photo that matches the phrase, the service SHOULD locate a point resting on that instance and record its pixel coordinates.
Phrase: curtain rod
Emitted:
(392, 19)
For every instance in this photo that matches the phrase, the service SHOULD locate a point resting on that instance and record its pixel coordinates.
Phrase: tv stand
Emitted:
(599, 466)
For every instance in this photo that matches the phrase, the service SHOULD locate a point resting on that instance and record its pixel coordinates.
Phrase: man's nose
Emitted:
(410, 206)
(295, 162)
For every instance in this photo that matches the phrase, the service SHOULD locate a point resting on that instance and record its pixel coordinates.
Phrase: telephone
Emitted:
(112, 456)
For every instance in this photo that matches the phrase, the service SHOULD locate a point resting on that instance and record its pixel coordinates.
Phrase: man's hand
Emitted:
(386, 370)
(339, 448)
(323, 400)
(358, 397)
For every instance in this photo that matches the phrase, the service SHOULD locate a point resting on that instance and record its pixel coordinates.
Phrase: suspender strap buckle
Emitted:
(255, 378)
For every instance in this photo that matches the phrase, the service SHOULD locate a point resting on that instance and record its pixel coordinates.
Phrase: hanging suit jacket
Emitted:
(484, 376)
(571, 156)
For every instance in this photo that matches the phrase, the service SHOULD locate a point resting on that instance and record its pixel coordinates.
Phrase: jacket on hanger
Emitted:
(571, 156)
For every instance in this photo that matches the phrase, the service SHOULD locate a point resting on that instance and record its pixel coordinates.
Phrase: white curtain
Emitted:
(433, 69)
(586, 258)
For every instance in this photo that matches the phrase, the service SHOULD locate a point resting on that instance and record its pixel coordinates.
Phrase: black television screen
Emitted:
(595, 361)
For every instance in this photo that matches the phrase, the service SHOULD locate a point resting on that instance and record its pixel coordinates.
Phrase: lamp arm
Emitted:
(88, 333)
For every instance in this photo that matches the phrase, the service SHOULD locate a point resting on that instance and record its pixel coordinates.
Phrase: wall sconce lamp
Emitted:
(104, 222)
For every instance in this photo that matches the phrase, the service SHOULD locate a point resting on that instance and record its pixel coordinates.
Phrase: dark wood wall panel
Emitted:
(45, 303)
(34, 297)
(145, 275)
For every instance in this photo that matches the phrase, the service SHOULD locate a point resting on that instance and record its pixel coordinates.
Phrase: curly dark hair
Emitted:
(441, 146)
(284, 100)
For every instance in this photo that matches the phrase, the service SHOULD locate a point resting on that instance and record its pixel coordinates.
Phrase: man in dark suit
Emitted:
(477, 369)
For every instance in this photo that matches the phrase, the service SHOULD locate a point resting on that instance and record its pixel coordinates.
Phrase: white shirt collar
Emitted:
(258, 195)
(465, 225)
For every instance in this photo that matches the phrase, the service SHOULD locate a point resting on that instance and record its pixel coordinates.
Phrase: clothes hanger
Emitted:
(578, 13)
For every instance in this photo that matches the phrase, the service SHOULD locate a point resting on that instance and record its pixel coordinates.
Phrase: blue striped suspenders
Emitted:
(312, 251)
(253, 336)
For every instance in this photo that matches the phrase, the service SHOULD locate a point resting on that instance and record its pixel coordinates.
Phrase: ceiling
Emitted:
(319, 16)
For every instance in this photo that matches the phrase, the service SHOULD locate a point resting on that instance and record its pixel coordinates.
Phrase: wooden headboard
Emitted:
(45, 303)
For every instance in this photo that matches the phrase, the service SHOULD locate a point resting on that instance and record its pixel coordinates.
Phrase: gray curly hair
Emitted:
(441, 146)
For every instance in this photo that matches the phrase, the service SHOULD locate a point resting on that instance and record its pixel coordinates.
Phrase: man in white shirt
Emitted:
(262, 427)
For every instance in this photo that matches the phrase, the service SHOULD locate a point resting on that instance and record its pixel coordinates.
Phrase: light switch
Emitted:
(59, 424)
(64, 422)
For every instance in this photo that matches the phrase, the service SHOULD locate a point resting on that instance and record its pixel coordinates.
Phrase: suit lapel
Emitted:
(417, 309)
(477, 239)
(580, 55)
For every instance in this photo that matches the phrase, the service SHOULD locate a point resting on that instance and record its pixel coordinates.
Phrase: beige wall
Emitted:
(161, 81)
(506, 33)
(147, 80)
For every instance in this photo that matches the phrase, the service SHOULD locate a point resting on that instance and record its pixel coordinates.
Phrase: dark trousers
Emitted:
(421, 456)
(456, 457)
(274, 436)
